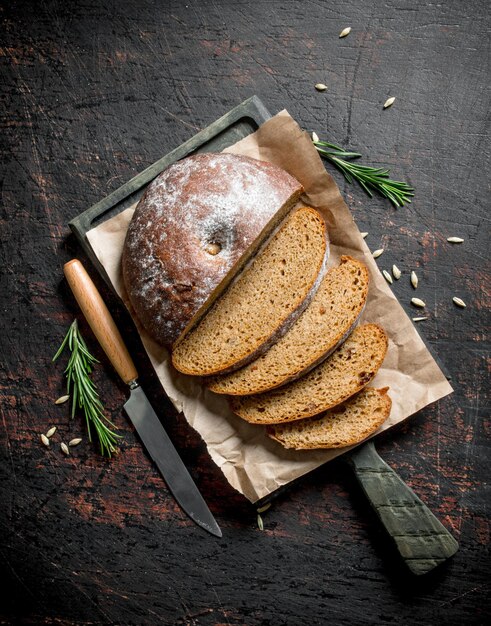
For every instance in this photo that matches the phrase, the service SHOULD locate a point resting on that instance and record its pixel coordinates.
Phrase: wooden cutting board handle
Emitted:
(100, 320)
(422, 541)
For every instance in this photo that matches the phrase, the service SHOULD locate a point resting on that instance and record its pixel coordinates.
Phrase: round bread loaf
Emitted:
(189, 230)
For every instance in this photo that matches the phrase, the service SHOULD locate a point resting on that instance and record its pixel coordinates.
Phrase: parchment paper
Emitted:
(252, 463)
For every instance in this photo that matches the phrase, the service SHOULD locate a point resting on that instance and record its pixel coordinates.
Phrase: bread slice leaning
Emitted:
(325, 324)
(347, 370)
(342, 426)
(262, 303)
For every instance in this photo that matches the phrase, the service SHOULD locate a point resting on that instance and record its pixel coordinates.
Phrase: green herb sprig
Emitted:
(83, 391)
(370, 178)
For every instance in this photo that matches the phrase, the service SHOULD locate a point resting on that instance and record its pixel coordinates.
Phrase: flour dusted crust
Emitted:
(198, 222)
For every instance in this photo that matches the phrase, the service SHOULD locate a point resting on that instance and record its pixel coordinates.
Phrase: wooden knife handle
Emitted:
(422, 541)
(99, 319)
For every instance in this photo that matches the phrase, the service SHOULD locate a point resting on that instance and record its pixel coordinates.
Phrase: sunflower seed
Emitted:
(345, 32)
(51, 432)
(419, 319)
(321, 87)
(62, 400)
(264, 508)
(387, 277)
(418, 302)
(396, 272)
(455, 240)
(459, 302)
(75, 442)
(260, 522)
(364, 235)
(377, 253)
(389, 102)
(414, 279)
(64, 448)
(45, 440)
(315, 136)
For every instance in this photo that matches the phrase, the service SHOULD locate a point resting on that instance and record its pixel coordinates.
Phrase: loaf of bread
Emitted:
(197, 224)
(264, 301)
(323, 326)
(345, 372)
(344, 425)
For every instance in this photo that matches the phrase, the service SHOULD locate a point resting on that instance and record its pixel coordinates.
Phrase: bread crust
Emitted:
(197, 222)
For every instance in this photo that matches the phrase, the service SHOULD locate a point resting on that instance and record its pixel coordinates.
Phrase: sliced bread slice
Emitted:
(319, 330)
(342, 426)
(347, 370)
(264, 301)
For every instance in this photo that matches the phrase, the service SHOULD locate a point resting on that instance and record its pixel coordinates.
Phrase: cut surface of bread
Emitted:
(326, 322)
(342, 426)
(347, 370)
(262, 303)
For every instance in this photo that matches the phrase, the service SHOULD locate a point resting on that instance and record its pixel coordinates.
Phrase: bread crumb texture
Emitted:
(344, 425)
(327, 321)
(345, 372)
(261, 302)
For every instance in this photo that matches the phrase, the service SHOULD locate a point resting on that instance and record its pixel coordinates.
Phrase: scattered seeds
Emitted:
(345, 32)
(260, 522)
(459, 302)
(387, 277)
(264, 508)
(321, 87)
(315, 136)
(396, 272)
(419, 319)
(75, 442)
(414, 279)
(62, 400)
(64, 448)
(213, 248)
(364, 235)
(389, 102)
(377, 253)
(51, 431)
(45, 440)
(455, 240)
(418, 302)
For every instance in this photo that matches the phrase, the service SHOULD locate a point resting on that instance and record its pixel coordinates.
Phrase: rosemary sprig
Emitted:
(83, 391)
(370, 178)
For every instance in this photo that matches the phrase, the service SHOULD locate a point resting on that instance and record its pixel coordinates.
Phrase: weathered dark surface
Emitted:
(96, 91)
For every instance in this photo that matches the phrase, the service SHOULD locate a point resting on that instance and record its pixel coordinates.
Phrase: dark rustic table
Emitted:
(95, 91)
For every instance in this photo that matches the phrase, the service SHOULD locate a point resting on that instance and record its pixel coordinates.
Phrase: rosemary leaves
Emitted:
(83, 391)
(370, 178)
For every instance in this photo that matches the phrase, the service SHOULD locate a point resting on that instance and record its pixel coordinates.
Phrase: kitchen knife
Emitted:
(138, 408)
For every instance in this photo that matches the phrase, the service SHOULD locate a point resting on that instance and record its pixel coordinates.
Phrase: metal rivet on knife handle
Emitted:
(100, 320)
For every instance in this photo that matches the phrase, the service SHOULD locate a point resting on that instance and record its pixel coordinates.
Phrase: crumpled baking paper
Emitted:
(252, 463)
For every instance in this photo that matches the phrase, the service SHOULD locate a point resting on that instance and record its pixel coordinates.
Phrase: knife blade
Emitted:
(138, 408)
